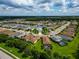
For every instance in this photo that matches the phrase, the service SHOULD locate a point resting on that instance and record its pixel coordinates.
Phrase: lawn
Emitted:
(13, 51)
(67, 50)
(36, 46)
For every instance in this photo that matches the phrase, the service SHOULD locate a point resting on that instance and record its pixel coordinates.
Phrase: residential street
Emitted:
(58, 30)
(4, 56)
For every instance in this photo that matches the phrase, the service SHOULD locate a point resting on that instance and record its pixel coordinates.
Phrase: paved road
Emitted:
(9, 53)
(4, 56)
(58, 30)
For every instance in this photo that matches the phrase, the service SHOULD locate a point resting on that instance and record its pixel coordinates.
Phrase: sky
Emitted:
(39, 7)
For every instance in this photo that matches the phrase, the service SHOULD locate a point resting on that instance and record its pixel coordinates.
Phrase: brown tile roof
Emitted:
(5, 31)
(46, 40)
(31, 38)
(69, 31)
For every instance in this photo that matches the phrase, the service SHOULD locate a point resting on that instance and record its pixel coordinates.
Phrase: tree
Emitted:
(35, 31)
(76, 54)
(44, 55)
(57, 56)
(45, 30)
(27, 52)
(66, 57)
(10, 43)
(35, 54)
(3, 38)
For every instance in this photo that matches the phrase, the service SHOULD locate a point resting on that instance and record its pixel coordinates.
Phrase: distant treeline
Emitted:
(37, 18)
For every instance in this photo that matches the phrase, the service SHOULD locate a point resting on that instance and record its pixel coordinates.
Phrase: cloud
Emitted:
(26, 4)
(39, 6)
(43, 1)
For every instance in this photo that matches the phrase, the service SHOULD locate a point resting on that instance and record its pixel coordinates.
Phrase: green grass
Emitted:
(38, 45)
(67, 50)
(64, 51)
(13, 51)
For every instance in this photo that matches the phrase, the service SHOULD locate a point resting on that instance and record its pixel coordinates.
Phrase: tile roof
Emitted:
(69, 31)
(46, 40)
(5, 31)
(30, 37)
(8, 32)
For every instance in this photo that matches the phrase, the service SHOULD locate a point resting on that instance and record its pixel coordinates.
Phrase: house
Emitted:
(17, 34)
(11, 33)
(7, 32)
(31, 38)
(56, 38)
(59, 40)
(46, 42)
(69, 31)
(1, 30)
(66, 38)
(39, 28)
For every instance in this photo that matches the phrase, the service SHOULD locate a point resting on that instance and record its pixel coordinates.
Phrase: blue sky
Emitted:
(39, 7)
